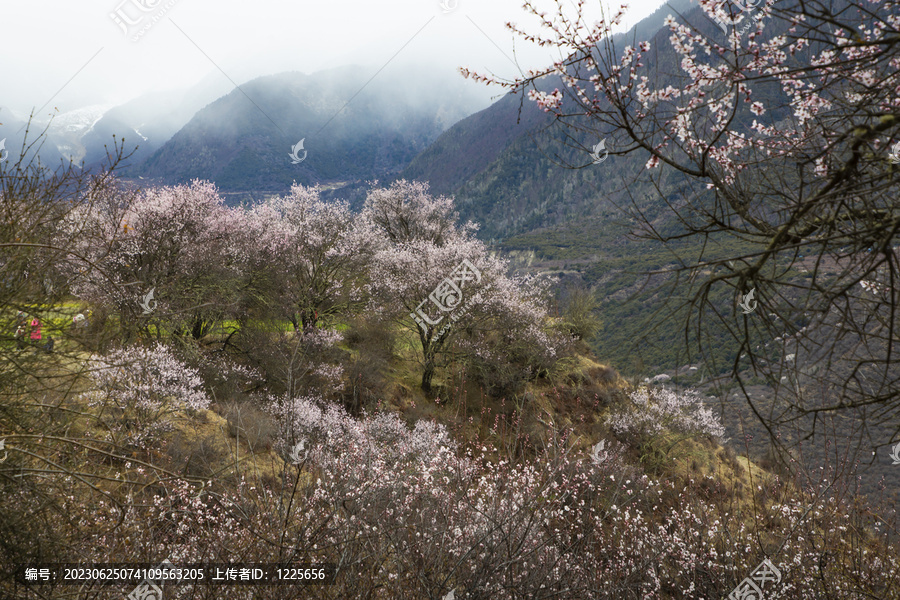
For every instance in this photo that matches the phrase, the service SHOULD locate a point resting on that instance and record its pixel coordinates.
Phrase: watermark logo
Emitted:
(149, 303)
(138, 16)
(748, 304)
(751, 588)
(3, 149)
(598, 148)
(599, 455)
(447, 295)
(746, 6)
(447, 6)
(298, 453)
(895, 455)
(296, 159)
(147, 589)
(894, 156)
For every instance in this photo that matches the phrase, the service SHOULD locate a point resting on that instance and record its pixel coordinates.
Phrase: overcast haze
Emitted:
(49, 45)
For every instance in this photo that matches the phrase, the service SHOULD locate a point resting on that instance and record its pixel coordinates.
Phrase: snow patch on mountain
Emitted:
(80, 120)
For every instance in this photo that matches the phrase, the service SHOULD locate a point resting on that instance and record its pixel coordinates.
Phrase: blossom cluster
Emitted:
(305, 260)
(654, 409)
(146, 383)
(405, 512)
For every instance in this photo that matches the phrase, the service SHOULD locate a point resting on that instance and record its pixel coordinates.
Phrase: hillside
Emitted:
(435, 352)
(263, 385)
(207, 486)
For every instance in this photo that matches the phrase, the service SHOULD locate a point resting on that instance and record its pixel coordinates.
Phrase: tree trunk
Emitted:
(428, 375)
(308, 318)
(197, 331)
(430, 349)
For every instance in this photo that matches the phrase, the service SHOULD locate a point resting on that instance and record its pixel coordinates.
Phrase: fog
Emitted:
(61, 55)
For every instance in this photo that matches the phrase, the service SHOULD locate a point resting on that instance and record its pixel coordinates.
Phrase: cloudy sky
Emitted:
(65, 55)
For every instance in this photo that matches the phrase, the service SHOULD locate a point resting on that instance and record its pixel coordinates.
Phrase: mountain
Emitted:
(147, 122)
(352, 131)
(67, 131)
(506, 165)
(85, 134)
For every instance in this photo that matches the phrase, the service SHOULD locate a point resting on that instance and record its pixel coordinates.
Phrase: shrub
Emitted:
(579, 317)
(200, 457)
(373, 340)
(604, 375)
(294, 363)
(141, 386)
(652, 410)
(248, 423)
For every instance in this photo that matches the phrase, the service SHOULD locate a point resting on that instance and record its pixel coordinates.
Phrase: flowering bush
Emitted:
(653, 410)
(552, 527)
(340, 442)
(297, 363)
(144, 384)
(407, 513)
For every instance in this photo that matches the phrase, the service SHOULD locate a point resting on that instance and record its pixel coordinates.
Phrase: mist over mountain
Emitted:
(85, 134)
(14, 128)
(357, 124)
(144, 124)
(351, 131)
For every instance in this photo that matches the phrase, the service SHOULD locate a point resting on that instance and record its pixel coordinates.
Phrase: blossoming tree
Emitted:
(143, 385)
(174, 251)
(437, 280)
(310, 255)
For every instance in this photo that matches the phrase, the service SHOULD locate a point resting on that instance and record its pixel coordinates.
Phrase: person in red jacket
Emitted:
(35, 330)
